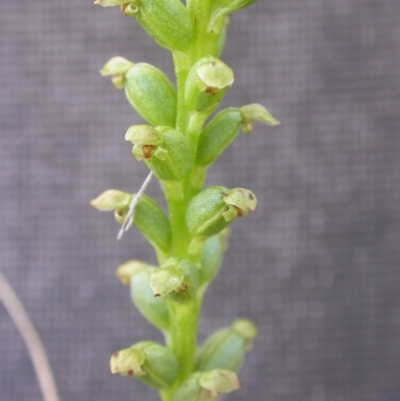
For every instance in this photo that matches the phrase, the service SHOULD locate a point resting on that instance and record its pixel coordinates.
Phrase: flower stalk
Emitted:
(178, 146)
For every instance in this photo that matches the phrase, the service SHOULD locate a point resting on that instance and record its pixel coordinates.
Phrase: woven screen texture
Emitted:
(317, 266)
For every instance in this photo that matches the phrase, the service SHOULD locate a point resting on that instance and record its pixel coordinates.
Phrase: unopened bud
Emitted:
(218, 135)
(167, 21)
(206, 84)
(226, 348)
(151, 94)
(164, 150)
(213, 209)
(110, 200)
(150, 362)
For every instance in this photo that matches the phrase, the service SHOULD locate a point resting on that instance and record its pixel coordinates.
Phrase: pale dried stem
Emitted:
(32, 341)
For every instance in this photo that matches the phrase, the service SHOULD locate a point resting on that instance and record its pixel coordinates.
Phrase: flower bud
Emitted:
(150, 362)
(137, 275)
(211, 257)
(225, 126)
(225, 348)
(206, 386)
(213, 209)
(167, 21)
(151, 94)
(177, 277)
(164, 150)
(218, 135)
(206, 84)
(111, 199)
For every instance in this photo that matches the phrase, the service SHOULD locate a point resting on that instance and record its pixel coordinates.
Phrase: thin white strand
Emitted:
(32, 340)
(132, 207)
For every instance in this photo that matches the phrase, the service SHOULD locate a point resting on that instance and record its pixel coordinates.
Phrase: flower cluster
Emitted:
(179, 140)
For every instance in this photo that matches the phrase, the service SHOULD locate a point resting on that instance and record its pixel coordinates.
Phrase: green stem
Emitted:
(181, 337)
(177, 200)
(181, 340)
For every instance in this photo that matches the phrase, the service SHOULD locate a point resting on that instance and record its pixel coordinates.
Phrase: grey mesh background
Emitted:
(316, 266)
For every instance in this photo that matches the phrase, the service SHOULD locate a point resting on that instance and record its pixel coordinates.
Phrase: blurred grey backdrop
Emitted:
(316, 266)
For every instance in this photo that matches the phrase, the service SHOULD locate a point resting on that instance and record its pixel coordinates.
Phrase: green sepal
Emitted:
(190, 283)
(206, 83)
(242, 199)
(164, 150)
(110, 3)
(206, 386)
(137, 275)
(177, 278)
(166, 279)
(151, 221)
(226, 348)
(167, 21)
(150, 362)
(128, 362)
(219, 381)
(256, 112)
(117, 67)
(111, 199)
(217, 135)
